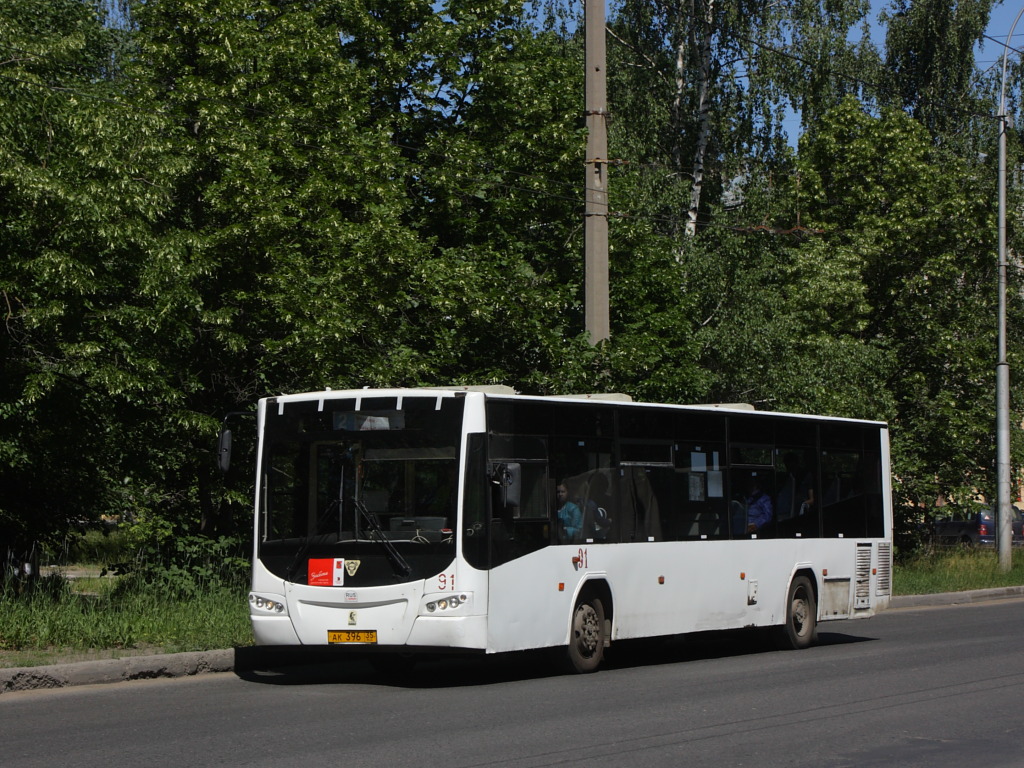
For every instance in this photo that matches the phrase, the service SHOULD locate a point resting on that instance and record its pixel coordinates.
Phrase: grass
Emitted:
(93, 617)
(955, 569)
(173, 601)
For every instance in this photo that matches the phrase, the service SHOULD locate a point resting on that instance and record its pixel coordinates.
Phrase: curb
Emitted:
(956, 598)
(115, 670)
(250, 658)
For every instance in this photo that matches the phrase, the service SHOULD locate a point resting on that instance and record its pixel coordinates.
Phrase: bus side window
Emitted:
(871, 469)
(598, 505)
(842, 504)
(519, 521)
(797, 498)
(700, 508)
(751, 508)
(508, 479)
(652, 492)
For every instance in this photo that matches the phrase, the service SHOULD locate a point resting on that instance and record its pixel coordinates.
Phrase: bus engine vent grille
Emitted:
(862, 597)
(883, 586)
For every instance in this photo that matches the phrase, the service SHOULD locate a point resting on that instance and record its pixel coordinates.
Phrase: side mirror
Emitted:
(224, 451)
(513, 482)
(509, 478)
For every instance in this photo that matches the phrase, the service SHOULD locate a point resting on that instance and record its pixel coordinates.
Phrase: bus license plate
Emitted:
(351, 636)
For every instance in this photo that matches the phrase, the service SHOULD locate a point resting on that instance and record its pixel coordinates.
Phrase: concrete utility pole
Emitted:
(1004, 510)
(595, 282)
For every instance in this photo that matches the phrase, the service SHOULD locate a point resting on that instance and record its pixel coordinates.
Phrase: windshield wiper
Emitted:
(309, 541)
(398, 563)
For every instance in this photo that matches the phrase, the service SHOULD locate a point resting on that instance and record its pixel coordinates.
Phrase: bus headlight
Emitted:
(447, 603)
(271, 605)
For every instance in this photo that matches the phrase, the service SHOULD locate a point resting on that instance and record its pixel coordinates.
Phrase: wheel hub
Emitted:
(586, 630)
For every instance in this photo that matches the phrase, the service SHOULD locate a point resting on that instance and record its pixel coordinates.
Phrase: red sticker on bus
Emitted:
(326, 572)
(321, 572)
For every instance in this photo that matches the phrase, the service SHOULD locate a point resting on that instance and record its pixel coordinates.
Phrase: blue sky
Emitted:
(989, 54)
(999, 27)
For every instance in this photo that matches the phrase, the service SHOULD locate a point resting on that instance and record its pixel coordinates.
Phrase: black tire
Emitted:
(586, 636)
(801, 627)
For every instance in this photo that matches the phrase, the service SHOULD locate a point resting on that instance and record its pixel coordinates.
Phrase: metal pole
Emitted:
(1003, 506)
(595, 282)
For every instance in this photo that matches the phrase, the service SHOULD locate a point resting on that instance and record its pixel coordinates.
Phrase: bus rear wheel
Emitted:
(586, 638)
(801, 627)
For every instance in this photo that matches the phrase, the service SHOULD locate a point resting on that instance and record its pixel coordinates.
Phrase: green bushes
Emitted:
(187, 594)
(186, 567)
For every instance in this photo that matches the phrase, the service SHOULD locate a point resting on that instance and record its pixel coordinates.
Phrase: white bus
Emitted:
(416, 520)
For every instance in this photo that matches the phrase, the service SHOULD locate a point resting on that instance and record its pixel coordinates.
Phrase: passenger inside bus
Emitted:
(570, 516)
(756, 510)
(597, 521)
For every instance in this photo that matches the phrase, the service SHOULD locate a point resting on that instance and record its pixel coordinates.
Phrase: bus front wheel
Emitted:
(801, 628)
(586, 639)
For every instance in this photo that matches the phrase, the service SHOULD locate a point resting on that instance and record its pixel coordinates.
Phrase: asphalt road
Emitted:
(931, 686)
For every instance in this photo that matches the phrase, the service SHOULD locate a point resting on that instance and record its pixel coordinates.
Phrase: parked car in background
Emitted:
(975, 528)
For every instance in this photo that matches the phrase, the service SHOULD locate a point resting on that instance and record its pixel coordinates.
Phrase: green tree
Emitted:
(700, 92)
(282, 261)
(77, 200)
(499, 195)
(930, 59)
(360, 196)
(922, 223)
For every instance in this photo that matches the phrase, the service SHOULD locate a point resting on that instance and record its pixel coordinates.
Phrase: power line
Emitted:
(1002, 43)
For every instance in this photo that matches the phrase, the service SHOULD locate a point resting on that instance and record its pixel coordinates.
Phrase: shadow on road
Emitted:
(323, 665)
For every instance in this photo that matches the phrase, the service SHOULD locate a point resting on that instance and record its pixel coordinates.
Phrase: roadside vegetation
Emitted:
(954, 569)
(190, 599)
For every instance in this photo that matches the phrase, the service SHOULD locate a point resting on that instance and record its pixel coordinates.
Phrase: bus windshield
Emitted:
(373, 483)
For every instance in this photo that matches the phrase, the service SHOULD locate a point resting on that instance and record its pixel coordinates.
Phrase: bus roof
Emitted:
(502, 392)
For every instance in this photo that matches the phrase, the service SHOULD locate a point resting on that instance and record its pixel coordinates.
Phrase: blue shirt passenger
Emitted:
(759, 509)
(570, 516)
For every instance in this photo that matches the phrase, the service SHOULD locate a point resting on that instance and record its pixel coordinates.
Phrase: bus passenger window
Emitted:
(798, 500)
(700, 509)
(643, 491)
(752, 511)
(598, 506)
(843, 511)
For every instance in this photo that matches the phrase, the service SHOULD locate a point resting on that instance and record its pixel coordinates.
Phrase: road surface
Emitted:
(929, 687)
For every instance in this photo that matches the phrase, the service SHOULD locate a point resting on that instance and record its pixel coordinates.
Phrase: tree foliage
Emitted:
(207, 201)
(78, 203)
(922, 225)
(930, 58)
